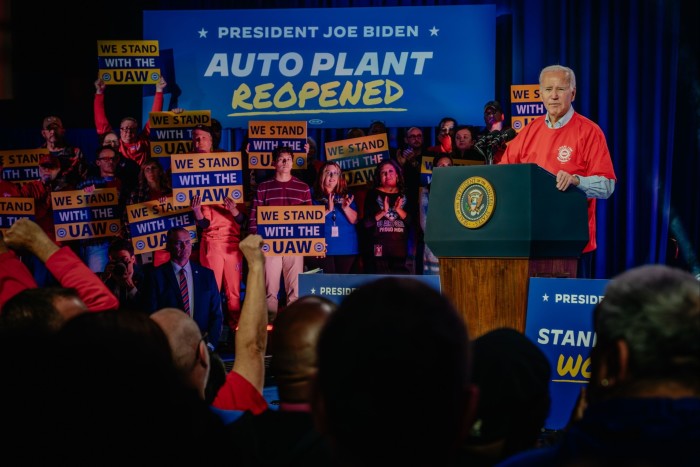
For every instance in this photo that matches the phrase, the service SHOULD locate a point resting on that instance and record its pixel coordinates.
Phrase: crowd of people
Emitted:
(388, 377)
(350, 376)
(374, 228)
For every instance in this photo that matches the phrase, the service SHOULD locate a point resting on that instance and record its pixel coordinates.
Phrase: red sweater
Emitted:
(579, 147)
(67, 268)
(238, 394)
(139, 150)
(274, 193)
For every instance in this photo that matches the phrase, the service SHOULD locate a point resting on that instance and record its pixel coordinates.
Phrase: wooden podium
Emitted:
(493, 227)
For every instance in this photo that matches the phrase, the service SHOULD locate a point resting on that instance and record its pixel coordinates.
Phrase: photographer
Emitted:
(123, 274)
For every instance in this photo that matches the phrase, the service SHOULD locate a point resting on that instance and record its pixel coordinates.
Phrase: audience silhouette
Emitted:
(392, 345)
(644, 394)
(287, 436)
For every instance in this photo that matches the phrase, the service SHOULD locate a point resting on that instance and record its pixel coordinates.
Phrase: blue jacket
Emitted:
(161, 290)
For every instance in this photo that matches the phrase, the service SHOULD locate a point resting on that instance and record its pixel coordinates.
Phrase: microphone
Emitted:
(504, 136)
(490, 142)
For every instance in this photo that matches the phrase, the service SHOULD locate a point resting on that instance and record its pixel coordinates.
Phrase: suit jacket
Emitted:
(162, 290)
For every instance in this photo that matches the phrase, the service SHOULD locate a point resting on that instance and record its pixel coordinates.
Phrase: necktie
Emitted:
(184, 292)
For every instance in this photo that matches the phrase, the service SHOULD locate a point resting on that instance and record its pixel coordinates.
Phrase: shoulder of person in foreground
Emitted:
(63, 263)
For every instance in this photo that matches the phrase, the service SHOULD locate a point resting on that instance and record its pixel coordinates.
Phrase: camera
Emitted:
(119, 269)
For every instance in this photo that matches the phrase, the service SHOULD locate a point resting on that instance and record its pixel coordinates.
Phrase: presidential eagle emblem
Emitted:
(475, 201)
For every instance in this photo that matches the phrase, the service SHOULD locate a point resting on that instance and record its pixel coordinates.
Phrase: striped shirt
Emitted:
(276, 193)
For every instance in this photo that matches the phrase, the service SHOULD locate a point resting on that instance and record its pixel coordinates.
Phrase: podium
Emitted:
(495, 226)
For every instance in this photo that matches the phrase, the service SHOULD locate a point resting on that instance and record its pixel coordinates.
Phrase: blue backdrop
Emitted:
(335, 68)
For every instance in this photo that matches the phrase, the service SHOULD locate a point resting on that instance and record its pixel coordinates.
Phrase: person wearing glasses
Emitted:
(94, 251)
(331, 191)
(133, 143)
(127, 169)
(413, 148)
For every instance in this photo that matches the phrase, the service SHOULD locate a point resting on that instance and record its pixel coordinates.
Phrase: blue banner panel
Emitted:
(335, 287)
(334, 67)
(560, 322)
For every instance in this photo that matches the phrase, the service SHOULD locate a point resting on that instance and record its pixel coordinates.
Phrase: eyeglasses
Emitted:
(415, 136)
(332, 174)
(128, 129)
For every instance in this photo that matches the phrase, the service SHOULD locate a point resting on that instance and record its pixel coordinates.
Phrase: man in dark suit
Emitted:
(167, 284)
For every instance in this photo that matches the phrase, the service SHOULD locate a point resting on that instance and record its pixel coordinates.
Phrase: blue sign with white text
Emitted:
(334, 68)
(560, 322)
(335, 287)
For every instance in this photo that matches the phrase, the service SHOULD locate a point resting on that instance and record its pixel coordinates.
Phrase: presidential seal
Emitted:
(475, 201)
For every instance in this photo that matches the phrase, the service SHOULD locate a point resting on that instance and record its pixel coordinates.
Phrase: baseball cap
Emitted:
(52, 120)
(207, 128)
(495, 104)
(49, 161)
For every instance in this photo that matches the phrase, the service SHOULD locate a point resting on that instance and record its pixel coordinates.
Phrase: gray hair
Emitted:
(560, 68)
(655, 309)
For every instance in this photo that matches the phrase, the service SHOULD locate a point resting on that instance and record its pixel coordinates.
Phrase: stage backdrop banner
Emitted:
(560, 322)
(334, 68)
(335, 287)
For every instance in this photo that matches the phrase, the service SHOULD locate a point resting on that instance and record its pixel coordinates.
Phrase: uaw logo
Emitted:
(564, 154)
(475, 201)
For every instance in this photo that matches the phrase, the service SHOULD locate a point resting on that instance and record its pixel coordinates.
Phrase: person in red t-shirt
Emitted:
(568, 145)
(133, 144)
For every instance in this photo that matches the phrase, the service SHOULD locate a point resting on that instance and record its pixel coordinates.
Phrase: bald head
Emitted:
(189, 352)
(293, 345)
